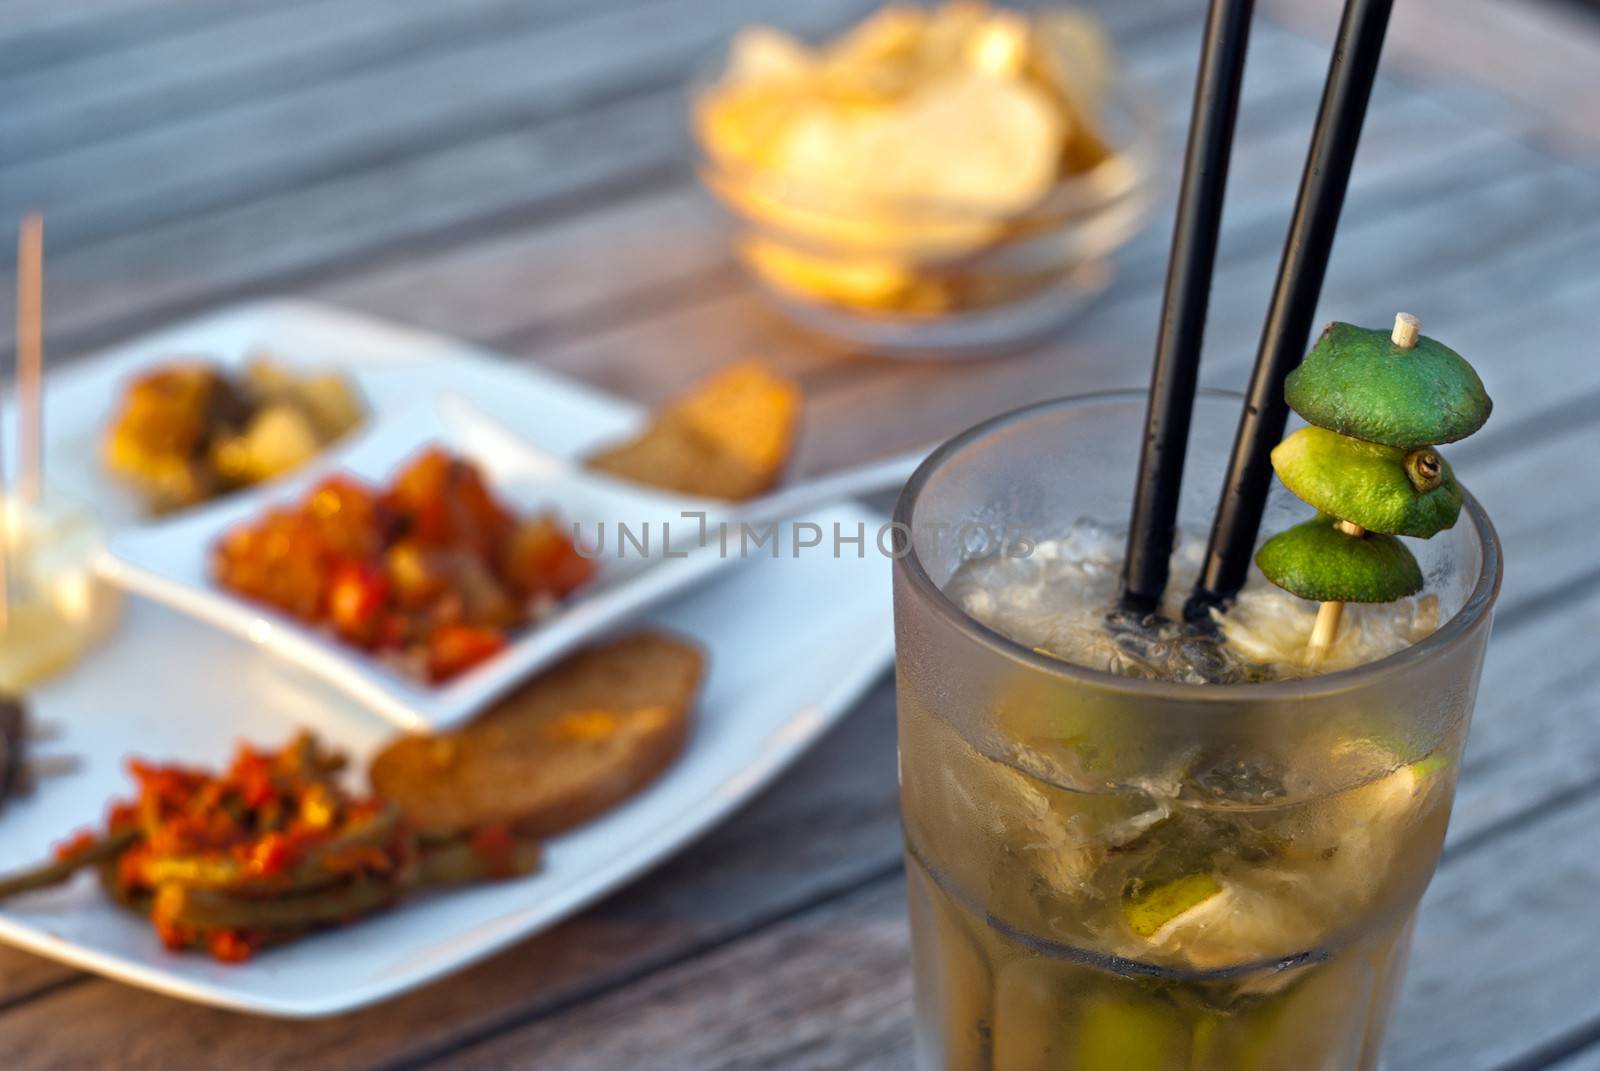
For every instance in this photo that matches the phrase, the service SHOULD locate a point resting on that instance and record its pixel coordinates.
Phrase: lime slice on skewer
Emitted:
(1316, 561)
(1358, 382)
(1381, 488)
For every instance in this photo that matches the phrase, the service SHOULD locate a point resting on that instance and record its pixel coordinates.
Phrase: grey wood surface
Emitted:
(513, 171)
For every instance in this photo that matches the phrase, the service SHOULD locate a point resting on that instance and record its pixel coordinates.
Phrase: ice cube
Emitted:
(1349, 844)
(1063, 852)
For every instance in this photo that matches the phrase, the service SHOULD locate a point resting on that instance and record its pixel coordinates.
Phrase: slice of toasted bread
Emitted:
(727, 438)
(570, 745)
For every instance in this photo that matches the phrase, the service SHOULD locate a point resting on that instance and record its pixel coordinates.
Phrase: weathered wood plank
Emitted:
(1536, 59)
(38, 33)
(510, 82)
(104, 96)
(635, 258)
(33, 16)
(1505, 947)
(292, 240)
(1536, 738)
(1586, 1059)
(827, 991)
(24, 976)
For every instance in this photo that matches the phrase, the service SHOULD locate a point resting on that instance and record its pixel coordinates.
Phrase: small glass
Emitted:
(1049, 808)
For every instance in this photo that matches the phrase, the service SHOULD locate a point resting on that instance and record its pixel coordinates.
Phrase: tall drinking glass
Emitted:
(1118, 874)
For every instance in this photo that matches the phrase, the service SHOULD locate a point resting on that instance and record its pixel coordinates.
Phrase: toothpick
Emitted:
(1329, 614)
(30, 358)
(5, 542)
(1406, 329)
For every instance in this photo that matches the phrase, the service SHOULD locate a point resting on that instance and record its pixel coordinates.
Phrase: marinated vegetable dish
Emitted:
(189, 431)
(269, 850)
(432, 573)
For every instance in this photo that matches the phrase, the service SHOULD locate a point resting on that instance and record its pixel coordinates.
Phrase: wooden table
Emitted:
(511, 171)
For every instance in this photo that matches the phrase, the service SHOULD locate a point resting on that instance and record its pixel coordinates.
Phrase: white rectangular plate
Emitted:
(791, 643)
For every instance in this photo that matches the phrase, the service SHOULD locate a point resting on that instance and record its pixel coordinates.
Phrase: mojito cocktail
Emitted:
(1134, 845)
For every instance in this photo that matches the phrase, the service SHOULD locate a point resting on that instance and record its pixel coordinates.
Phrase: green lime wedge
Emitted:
(1357, 382)
(1381, 488)
(1129, 1033)
(1151, 908)
(1316, 561)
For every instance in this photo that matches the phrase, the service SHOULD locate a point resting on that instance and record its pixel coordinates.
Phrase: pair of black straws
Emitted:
(1351, 73)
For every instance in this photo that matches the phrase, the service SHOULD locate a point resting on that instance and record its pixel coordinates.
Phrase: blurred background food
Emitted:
(569, 745)
(936, 177)
(728, 437)
(189, 430)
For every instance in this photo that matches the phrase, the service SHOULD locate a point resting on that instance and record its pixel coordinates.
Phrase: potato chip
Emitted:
(762, 54)
(768, 71)
(944, 47)
(889, 36)
(968, 140)
(1076, 56)
(727, 438)
(999, 47)
(874, 282)
(1072, 57)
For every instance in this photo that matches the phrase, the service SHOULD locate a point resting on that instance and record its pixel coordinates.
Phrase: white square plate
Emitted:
(791, 643)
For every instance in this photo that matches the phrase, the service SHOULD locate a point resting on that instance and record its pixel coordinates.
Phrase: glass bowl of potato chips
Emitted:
(945, 179)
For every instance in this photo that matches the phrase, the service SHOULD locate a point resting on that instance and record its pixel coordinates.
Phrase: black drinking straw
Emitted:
(1183, 316)
(1287, 331)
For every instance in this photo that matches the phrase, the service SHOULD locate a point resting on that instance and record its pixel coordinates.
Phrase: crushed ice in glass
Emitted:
(1062, 600)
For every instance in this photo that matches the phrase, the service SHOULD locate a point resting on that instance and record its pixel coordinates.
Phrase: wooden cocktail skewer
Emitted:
(30, 359)
(30, 377)
(1329, 614)
(5, 543)
(17, 771)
